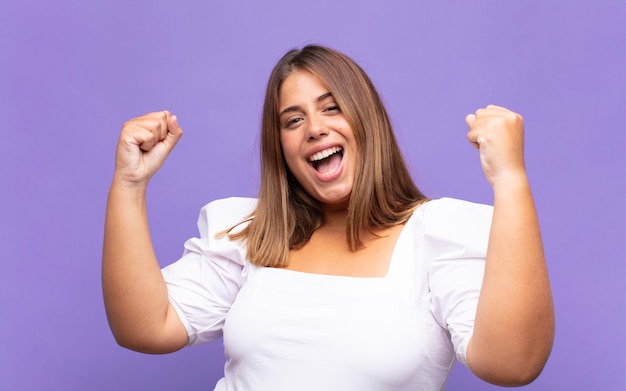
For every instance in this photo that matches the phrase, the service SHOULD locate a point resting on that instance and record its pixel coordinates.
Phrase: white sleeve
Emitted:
(457, 233)
(205, 281)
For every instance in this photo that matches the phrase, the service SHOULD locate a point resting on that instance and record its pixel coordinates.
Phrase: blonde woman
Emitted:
(342, 275)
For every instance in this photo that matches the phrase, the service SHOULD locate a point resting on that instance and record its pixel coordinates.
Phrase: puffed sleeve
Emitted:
(205, 281)
(456, 237)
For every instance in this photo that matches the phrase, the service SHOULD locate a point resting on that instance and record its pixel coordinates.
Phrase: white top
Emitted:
(289, 330)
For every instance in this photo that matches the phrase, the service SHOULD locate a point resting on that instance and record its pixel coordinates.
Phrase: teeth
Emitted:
(324, 154)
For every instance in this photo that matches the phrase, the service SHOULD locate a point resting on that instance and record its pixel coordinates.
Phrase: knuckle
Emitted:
(152, 124)
(511, 115)
(162, 115)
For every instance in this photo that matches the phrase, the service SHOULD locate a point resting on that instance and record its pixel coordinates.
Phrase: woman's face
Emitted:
(317, 142)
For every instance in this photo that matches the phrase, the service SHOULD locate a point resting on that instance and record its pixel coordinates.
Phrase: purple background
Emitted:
(72, 72)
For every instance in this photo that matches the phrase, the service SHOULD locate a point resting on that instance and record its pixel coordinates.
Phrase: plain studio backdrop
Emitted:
(71, 73)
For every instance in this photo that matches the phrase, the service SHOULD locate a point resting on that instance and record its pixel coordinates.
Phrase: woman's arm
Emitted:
(514, 326)
(135, 294)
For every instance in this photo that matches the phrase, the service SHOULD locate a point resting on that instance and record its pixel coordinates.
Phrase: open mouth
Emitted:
(328, 161)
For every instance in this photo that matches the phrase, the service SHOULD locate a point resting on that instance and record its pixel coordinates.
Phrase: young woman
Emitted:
(342, 275)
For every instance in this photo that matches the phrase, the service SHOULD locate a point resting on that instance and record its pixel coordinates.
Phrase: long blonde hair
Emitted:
(383, 194)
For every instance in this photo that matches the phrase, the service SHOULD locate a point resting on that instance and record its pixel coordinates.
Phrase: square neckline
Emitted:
(390, 267)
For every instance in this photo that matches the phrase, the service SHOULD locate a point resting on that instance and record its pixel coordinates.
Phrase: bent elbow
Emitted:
(522, 377)
(128, 342)
(514, 374)
(144, 344)
(511, 370)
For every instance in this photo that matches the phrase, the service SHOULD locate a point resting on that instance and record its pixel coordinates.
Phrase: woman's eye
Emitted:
(292, 121)
(332, 108)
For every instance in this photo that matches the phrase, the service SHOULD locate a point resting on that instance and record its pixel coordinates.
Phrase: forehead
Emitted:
(300, 87)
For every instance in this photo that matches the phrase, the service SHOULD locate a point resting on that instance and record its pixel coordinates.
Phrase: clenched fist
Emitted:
(498, 133)
(144, 144)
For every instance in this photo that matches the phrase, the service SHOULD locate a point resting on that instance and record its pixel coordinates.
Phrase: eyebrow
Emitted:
(296, 107)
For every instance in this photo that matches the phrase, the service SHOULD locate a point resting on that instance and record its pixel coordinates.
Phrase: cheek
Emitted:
(288, 147)
(288, 160)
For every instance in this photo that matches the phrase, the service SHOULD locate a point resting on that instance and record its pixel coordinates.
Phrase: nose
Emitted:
(317, 128)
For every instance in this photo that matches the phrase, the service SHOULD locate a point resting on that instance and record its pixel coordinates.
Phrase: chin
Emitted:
(335, 202)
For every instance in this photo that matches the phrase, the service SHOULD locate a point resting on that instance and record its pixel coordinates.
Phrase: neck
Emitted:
(335, 218)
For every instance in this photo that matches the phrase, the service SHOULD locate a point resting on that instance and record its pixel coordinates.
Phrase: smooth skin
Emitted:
(514, 326)
(311, 121)
(135, 295)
